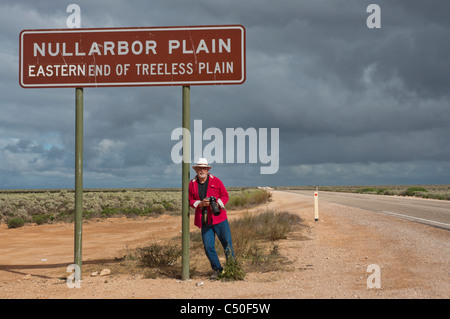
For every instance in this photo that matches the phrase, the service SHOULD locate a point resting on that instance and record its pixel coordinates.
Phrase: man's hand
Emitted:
(204, 202)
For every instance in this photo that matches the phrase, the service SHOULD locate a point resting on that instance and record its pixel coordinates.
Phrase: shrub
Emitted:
(158, 209)
(269, 225)
(413, 191)
(233, 270)
(109, 212)
(15, 222)
(157, 255)
(249, 230)
(248, 198)
(417, 189)
(367, 190)
(41, 218)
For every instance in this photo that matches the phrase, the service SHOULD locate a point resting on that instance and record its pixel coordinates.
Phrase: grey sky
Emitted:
(353, 105)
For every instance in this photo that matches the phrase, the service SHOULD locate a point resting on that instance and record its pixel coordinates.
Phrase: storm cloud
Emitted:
(353, 105)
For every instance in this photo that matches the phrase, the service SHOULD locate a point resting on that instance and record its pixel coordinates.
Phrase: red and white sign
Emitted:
(199, 55)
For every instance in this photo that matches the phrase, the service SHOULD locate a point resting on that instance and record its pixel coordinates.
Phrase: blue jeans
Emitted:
(208, 236)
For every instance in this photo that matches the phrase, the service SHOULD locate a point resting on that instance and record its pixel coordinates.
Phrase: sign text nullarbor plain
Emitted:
(126, 47)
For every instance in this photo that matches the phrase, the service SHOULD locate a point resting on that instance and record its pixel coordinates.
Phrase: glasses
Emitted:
(202, 169)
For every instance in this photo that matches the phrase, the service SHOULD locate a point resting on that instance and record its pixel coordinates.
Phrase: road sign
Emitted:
(198, 55)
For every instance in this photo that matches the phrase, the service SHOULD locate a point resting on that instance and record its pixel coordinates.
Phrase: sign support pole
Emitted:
(185, 182)
(78, 176)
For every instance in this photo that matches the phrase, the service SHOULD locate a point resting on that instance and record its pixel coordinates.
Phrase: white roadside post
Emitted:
(316, 205)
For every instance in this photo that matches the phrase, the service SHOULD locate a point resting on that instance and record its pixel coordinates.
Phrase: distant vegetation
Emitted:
(425, 191)
(18, 207)
(247, 197)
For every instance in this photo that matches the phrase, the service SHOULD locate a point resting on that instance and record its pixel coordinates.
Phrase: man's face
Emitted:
(202, 172)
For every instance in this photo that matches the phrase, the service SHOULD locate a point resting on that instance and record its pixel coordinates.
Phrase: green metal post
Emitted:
(78, 175)
(185, 183)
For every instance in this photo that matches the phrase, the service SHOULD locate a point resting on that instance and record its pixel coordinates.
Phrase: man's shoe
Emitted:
(216, 275)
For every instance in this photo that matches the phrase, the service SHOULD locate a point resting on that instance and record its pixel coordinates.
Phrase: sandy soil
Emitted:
(329, 258)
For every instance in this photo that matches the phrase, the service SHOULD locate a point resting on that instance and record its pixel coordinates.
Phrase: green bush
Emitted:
(413, 191)
(233, 270)
(15, 222)
(41, 218)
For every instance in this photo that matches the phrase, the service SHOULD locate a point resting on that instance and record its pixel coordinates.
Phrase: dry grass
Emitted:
(247, 198)
(255, 243)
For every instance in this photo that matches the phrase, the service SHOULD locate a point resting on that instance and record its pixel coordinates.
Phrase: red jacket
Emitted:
(216, 189)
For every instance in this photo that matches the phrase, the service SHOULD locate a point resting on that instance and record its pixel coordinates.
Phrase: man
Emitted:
(201, 188)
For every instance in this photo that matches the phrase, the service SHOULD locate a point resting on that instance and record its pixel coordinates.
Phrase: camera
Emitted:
(213, 203)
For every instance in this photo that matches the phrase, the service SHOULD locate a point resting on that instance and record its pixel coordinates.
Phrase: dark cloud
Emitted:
(353, 105)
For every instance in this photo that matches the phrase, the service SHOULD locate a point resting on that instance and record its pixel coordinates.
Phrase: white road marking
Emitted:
(416, 218)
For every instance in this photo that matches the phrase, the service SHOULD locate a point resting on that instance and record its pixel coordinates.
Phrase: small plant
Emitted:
(41, 218)
(157, 255)
(15, 222)
(233, 270)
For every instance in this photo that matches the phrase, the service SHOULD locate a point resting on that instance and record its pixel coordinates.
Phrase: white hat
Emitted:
(202, 162)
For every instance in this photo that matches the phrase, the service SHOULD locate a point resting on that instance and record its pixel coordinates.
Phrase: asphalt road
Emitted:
(427, 211)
